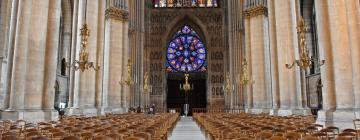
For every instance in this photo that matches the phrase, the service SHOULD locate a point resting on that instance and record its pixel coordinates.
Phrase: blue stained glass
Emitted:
(186, 52)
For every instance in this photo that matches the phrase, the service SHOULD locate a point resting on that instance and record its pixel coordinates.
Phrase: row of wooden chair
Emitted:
(112, 126)
(240, 126)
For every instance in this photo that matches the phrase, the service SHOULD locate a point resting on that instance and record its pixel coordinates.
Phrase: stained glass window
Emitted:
(186, 52)
(185, 3)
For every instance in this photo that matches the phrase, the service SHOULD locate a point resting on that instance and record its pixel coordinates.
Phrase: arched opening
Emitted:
(186, 54)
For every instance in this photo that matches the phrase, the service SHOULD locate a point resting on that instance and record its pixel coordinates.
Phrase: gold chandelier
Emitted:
(128, 80)
(83, 63)
(227, 86)
(186, 86)
(305, 61)
(147, 87)
(245, 80)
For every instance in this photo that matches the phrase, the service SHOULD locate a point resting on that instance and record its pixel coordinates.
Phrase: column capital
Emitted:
(255, 11)
(117, 14)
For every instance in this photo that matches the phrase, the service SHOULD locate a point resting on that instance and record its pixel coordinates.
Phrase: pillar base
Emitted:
(342, 118)
(30, 115)
(287, 112)
(91, 111)
(115, 110)
(274, 112)
(258, 110)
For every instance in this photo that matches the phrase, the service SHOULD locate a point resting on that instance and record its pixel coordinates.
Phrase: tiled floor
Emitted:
(187, 129)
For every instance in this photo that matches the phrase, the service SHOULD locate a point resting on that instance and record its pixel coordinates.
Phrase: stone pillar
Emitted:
(28, 100)
(274, 58)
(85, 82)
(73, 54)
(287, 50)
(353, 15)
(259, 57)
(5, 35)
(137, 25)
(115, 36)
(338, 91)
(99, 97)
(51, 56)
(247, 89)
(235, 50)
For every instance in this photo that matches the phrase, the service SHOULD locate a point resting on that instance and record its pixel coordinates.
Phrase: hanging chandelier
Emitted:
(83, 63)
(128, 79)
(305, 61)
(245, 80)
(147, 87)
(186, 86)
(227, 86)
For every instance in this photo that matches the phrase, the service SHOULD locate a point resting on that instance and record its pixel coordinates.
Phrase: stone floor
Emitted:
(187, 129)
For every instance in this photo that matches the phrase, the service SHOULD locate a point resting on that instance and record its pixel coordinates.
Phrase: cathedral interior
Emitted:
(189, 60)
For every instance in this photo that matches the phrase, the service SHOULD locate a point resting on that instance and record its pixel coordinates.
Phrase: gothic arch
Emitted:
(191, 20)
(178, 23)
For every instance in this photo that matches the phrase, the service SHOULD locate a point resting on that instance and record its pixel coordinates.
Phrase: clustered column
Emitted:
(115, 58)
(258, 57)
(338, 31)
(35, 48)
(235, 49)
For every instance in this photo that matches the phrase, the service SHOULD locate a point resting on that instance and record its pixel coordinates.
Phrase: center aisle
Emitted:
(187, 129)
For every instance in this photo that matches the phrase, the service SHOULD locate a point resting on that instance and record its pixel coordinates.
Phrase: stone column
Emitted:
(99, 97)
(322, 19)
(73, 54)
(235, 49)
(114, 46)
(353, 15)
(84, 82)
(51, 56)
(340, 54)
(5, 35)
(274, 58)
(31, 44)
(259, 52)
(287, 50)
(247, 89)
(10, 52)
(137, 25)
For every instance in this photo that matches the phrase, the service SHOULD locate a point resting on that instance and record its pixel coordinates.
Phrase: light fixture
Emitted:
(228, 87)
(147, 87)
(128, 80)
(186, 86)
(83, 63)
(305, 61)
(245, 80)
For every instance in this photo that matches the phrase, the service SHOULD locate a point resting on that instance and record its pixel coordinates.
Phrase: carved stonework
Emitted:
(156, 27)
(255, 11)
(117, 14)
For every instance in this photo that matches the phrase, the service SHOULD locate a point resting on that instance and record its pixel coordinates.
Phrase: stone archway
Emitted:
(209, 24)
(188, 56)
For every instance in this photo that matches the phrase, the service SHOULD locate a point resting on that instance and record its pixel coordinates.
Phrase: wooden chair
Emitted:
(276, 138)
(348, 135)
(10, 137)
(40, 138)
(115, 136)
(100, 137)
(310, 138)
(134, 138)
(264, 135)
(293, 136)
(71, 138)
(356, 124)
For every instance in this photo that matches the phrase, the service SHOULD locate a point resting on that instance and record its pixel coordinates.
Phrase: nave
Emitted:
(162, 126)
